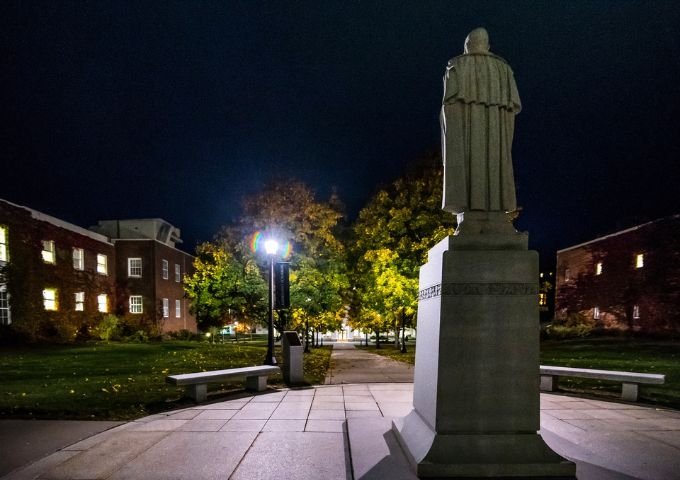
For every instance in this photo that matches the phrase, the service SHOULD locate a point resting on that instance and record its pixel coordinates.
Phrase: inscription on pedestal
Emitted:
(453, 289)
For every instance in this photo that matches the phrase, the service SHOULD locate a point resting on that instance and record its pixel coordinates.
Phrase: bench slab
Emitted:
(197, 383)
(630, 380)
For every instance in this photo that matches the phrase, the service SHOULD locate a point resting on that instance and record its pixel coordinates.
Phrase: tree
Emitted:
(226, 285)
(391, 238)
(288, 211)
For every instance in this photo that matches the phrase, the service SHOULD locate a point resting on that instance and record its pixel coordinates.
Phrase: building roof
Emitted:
(621, 232)
(61, 223)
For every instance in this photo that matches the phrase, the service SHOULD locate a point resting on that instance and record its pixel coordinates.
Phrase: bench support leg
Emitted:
(549, 383)
(629, 392)
(257, 384)
(198, 392)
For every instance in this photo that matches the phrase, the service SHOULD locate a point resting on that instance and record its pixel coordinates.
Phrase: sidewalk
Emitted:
(351, 365)
(343, 432)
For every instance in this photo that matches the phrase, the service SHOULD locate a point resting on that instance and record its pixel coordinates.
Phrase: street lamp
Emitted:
(271, 246)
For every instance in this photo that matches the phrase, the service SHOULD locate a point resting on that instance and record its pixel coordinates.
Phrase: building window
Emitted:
(639, 260)
(78, 259)
(50, 299)
(134, 267)
(542, 299)
(5, 316)
(102, 264)
(596, 313)
(48, 253)
(178, 273)
(136, 305)
(598, 268)
(166, 308)
(4, 251)
(80, 301)
(636, 312)
(567, 275)
(165, 270)
(178, 308)
(103, 303)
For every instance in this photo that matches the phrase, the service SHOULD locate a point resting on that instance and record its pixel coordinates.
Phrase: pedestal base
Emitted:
(475, 390)
(518, 455)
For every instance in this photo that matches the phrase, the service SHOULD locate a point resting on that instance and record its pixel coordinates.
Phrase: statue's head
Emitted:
(477, 41)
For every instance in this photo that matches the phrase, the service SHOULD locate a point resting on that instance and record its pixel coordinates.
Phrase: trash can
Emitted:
(292, 358)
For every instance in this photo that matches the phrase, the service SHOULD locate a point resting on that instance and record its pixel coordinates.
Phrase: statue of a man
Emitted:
(478, 120)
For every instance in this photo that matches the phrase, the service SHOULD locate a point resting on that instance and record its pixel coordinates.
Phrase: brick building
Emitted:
(629, 280)
(149, 271)
(58, 280)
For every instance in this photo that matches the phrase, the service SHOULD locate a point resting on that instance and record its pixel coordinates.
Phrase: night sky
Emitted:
(177, 109)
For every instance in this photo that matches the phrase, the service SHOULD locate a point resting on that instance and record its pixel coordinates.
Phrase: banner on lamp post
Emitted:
(282, 285)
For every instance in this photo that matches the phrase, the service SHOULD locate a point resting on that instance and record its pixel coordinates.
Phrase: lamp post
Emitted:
(271, 246)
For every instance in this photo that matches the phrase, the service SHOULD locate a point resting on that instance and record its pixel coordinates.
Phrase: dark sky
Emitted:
(177, 109)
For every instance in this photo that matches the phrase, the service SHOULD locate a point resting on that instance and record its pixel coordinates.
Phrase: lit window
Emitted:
(178, 274)
(598, 268)
(50, 299)
(178, 308)
(596, 313)
(4, 251)
(165, 270)
(540, 275)
(48, 254)
(80, 301)
(136, 305)
(78, 259)
(567, 275)
(102, 264)
(5, 317)
(636, 311)
(542, 299)
(166, 308)
(103, 303)
(134, 267)
(639, 260)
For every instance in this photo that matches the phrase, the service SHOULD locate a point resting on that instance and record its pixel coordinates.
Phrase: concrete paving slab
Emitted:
(361, 406)
(255, 411)
(202, 426)
(363, 414)
(33, 470)
(227, 405)
(184, 414)
(243, 426)
(325, 426)
(164, 425)
(105, 458)
(320, 405)
(393, 410)
(216, 414)
(33, 439)
(295, 455)
(291, 411)
(213, 455)
(274, 425)
(269, 397)
(376, 454)
(326, 414)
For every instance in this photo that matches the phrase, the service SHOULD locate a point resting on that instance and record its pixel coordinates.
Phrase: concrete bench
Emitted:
(630, 380)
(197, 383)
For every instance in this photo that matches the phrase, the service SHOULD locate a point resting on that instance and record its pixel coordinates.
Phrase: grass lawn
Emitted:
(632, 355)
(119, 381)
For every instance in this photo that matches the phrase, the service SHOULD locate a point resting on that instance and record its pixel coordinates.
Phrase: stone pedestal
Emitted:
(476, 386)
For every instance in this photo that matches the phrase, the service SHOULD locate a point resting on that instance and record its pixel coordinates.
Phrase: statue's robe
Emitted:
(478, 122)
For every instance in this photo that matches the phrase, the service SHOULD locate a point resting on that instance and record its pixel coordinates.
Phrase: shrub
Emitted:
(140, 336)
(108, 328)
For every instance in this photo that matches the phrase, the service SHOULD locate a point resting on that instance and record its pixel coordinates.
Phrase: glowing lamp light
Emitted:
(271, 246)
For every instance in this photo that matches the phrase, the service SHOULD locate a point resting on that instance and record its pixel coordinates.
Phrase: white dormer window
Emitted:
(102, 264)
(4, 251)
(166, 270)
(598, 268)
(48, 252)
(639, 260)
(78, 259)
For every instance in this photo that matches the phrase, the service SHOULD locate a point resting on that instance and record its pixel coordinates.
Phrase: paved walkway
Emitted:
(343, 432)
(351, 365)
